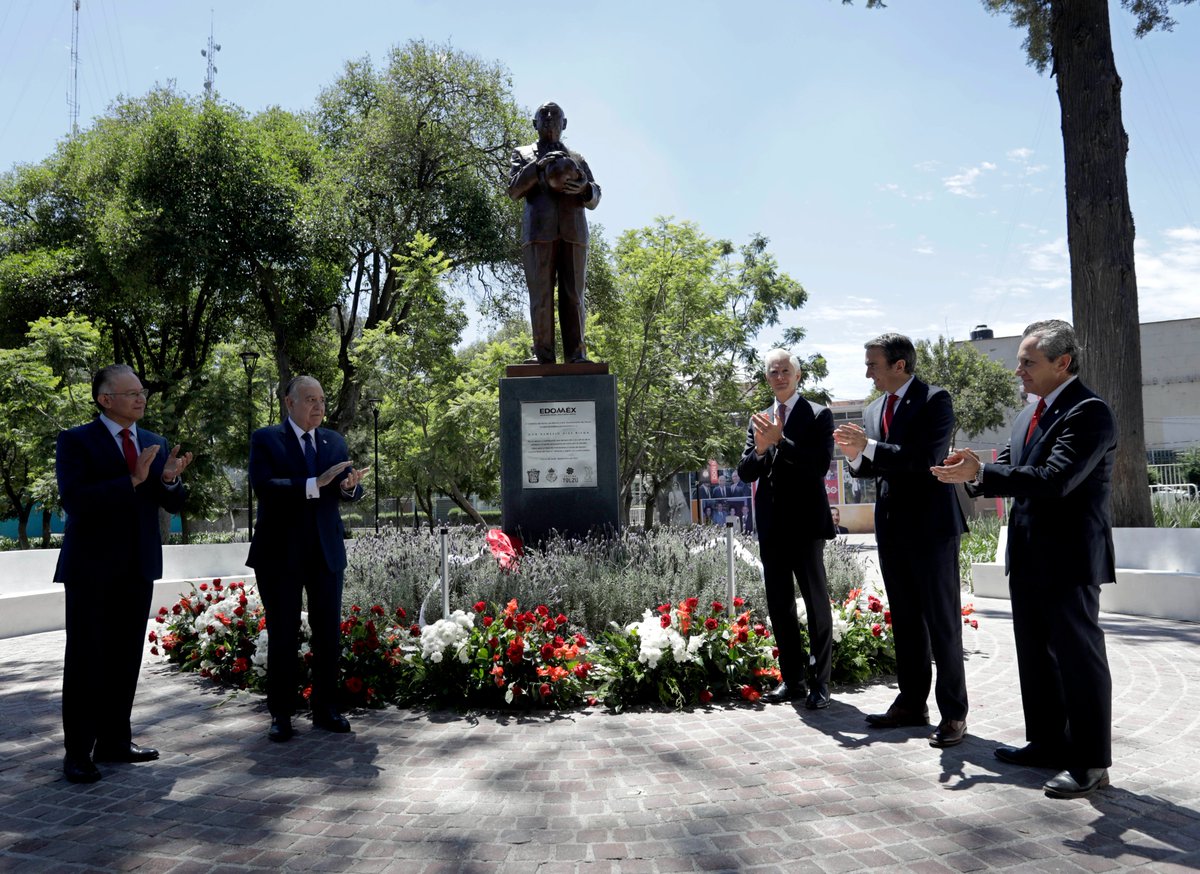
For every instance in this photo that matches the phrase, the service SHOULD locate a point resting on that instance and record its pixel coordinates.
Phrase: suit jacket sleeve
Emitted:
(1084, 435)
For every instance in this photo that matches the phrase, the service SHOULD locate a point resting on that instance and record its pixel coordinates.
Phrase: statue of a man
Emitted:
(557, 185)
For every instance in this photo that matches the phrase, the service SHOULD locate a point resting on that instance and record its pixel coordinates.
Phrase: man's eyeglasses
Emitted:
(143, 394)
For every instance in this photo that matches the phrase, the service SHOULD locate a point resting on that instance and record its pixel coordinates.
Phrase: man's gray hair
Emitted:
(294, 384)
(776, 354)
(102, 381)
(1055, 338)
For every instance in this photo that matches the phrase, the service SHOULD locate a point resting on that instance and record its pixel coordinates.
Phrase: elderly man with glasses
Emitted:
(112, 479)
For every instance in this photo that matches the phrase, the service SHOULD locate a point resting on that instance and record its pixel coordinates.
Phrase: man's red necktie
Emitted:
(781, 414)
(888, 412)
(131, 453)
(1037, 415)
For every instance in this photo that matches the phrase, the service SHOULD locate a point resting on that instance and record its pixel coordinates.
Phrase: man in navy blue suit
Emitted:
(301, 473)
(1057, 468)
(918, 526)
(112, 479)
(788, 449)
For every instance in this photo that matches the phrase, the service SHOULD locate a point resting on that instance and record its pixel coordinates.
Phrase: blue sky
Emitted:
(905, 163)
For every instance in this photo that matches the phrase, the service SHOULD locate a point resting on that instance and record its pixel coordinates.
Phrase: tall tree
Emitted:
(1074, 39)
(983, 390)
(423, 145)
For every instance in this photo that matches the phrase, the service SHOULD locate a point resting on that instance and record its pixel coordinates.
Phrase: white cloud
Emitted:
(1168, 275)
(1021, 154)
(963, 184)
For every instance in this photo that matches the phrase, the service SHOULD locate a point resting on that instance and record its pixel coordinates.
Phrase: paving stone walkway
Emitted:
(737, 788)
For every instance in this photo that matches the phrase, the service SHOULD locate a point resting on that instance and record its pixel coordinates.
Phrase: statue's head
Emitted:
(549, 121)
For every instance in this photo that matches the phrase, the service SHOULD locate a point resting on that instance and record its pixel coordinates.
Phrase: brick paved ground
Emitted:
(724, 789)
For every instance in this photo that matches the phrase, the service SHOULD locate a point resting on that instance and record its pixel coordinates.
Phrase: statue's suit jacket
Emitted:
(551, 215)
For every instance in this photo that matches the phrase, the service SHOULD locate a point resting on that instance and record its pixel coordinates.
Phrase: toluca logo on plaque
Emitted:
(560, 439)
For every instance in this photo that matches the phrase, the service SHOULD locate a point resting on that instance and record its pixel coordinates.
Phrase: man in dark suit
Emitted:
(918, 526)
(836, 515)
(112, 479)
(557, 185)
(1057, 468)
(301, 473)
(788, 449)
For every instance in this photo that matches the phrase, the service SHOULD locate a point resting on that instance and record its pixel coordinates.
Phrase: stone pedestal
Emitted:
(558, 451)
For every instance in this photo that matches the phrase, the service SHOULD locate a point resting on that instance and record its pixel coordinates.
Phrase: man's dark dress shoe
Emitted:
(949, 733)
(80, 770)
(280, 730)
(131, 753)
(818, 698)
(332, 722)
(897, 718)
(1029, 756)
(1076, 784)
(786, 692)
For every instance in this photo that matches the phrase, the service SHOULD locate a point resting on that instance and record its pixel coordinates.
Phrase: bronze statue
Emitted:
(557, 185)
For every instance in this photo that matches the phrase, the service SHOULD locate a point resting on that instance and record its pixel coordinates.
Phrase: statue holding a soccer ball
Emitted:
(557, 185)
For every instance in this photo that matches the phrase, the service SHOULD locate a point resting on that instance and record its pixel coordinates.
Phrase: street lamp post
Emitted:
(375, 402)
(249, 360)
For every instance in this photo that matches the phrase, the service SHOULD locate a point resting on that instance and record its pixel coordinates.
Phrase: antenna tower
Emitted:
(73, 93)
(211, 54)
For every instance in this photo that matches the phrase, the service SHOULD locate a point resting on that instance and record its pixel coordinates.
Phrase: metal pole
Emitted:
(445, 534)
(729, 578)
(249, 360)
(375, 411)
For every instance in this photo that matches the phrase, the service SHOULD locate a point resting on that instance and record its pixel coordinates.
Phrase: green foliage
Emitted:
(1190, 459)
(1034, 18)
(1176, 513)
(978, 546)
(983, 390)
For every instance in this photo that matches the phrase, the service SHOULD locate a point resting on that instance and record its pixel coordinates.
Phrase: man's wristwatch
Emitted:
(978, 481)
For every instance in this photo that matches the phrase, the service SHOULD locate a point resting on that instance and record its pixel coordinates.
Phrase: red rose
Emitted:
(378, 610)
(974, 623)
(547, 651)
(751, 694)
(176, 609)
(494, 643)
(354, 608)
(739, 603)
(239, 611)
(154, 650)
(401, 614)
(152, 637)
(664, 608)
(543, 610)
(508, 622)
(592, 702)
(414, 630)
(760, 629)
(354, 685)
(705, 696)
(162, 611)
(241, 664)
(480, 606)
(488, 620)
(743, 635)
(307, 693)
(775, 652)
(874, 604)
(877, 630)
(548, 626)
(581, 670)
(718, 607)
(204, 587)
(581, 641)
(710, 624)
(545, 690)
(560, 619)
(516, 650)
(887, 616)
(664, 621)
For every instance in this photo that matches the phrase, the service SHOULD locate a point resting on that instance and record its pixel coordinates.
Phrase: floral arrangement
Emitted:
(678, 655)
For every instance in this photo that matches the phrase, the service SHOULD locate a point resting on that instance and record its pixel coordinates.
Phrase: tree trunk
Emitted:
(1100, 236)
(23, 511)
(465, 505)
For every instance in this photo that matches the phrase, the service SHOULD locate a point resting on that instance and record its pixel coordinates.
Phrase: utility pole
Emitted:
(211, 54)
(73, 93)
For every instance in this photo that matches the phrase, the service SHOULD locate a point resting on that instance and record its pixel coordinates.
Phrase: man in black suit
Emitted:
(1057, 468)
(836, 515)
(301, 473)
(557, 185)
(918, 526)
(112, 479)
(788, 450)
